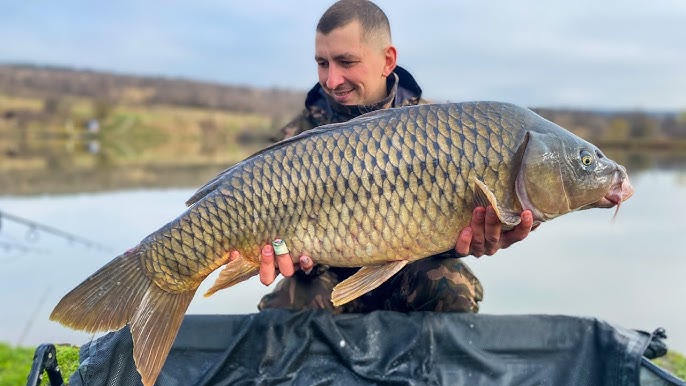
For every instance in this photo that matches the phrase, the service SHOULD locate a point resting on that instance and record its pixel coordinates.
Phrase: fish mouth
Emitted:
(617, 194)
(620, 191)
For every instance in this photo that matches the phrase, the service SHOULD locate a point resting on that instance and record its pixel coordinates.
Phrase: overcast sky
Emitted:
(583, 53)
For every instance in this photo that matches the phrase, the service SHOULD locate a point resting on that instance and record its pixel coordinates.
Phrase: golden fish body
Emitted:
(379, 191)
(392, 186)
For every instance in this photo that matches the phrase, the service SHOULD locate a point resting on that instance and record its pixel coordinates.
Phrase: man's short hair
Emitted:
(373, 21)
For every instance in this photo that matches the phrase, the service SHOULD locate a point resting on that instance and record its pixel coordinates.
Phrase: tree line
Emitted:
(50, 83)
(106, 89)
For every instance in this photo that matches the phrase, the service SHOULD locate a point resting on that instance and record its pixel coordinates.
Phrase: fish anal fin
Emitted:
(364, 280)
(154, 327)
(483, 196)
(233, 273)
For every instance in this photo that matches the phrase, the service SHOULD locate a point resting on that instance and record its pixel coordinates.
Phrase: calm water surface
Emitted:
(629, 271)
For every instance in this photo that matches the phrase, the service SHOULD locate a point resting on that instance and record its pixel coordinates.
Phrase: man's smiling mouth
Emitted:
(342, 93)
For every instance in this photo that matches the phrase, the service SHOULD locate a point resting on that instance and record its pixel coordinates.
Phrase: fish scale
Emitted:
(356, 171)
(377, 192)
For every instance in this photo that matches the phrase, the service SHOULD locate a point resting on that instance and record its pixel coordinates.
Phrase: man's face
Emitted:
(351, 71)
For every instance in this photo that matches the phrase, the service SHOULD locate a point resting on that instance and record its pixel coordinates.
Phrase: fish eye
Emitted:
(586, 158)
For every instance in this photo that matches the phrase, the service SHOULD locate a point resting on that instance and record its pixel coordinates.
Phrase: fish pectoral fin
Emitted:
(364, 280)
(233, 273)
(483, 196)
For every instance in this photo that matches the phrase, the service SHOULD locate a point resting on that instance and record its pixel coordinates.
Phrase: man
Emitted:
(357, 74)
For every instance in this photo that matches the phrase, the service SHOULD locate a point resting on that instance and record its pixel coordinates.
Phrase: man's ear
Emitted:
(391, 55)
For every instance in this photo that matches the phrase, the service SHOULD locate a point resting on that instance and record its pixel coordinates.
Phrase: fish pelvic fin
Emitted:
(364, 280)
(483, 196)
(233, 273)
(121, 293)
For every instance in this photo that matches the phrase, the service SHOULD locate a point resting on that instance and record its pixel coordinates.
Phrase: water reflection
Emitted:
(92, 161)
(628, 271)
(129, 154)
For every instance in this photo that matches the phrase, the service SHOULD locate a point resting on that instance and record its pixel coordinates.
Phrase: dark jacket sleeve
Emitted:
(296, 126)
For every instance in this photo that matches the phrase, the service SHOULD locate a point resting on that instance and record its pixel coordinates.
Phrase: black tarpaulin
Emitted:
(279, 347)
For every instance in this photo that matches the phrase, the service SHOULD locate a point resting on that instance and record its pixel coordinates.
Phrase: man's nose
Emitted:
(334, 77)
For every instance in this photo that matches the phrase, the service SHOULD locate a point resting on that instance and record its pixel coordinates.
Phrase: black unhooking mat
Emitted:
(279, 347)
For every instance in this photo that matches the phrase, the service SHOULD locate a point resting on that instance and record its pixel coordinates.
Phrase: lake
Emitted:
(628, 271)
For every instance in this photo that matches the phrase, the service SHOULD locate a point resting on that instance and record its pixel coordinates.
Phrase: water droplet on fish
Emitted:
(341, 343)
(471, 325)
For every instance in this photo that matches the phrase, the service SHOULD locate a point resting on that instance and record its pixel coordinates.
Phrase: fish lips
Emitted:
(620, 191)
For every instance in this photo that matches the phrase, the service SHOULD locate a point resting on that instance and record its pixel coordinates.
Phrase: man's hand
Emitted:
(271, 266)
(483, 236)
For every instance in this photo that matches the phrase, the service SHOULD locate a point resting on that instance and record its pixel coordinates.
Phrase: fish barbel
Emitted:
(379, 191)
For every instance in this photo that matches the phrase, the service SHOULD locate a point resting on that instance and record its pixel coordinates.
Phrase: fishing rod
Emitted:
(34, 228)
(20, 248)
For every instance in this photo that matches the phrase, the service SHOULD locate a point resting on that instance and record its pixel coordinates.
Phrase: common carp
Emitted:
(377, 192)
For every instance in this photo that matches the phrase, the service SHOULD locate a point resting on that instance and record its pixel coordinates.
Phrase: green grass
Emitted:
(15, 363)
(674, 363)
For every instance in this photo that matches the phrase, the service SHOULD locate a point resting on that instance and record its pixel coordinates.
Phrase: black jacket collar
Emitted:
(402, 90)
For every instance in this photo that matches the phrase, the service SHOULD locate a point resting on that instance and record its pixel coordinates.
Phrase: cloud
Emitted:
(581, 53)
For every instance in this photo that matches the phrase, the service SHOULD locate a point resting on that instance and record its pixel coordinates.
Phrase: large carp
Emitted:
(377, 192)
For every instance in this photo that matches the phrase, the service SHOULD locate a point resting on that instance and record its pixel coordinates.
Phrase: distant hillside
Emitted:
(637, 129)
(52, 82)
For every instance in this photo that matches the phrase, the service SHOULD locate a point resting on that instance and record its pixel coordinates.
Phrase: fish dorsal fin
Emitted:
(484, 197)
(208, 187)
(364, 280)
(216, 181)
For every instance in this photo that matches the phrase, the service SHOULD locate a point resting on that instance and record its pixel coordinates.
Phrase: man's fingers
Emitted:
(267, 266)
(306, 264)
(285, 264)
(464, 240)
(520, 232)
(283, 257)
(477, 246)
(492, 231)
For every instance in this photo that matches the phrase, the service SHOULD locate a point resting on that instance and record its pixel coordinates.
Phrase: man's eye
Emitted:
(347, 63)
(322, 64)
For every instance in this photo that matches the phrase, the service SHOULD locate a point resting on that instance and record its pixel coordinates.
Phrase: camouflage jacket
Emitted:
(438, 283)
(321, 109)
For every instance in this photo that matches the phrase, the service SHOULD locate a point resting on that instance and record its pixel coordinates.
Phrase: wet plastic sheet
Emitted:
(278, 347)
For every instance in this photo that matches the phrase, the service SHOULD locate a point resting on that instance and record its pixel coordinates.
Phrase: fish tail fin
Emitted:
(119, 293)
(107, 299)
(234, 272)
